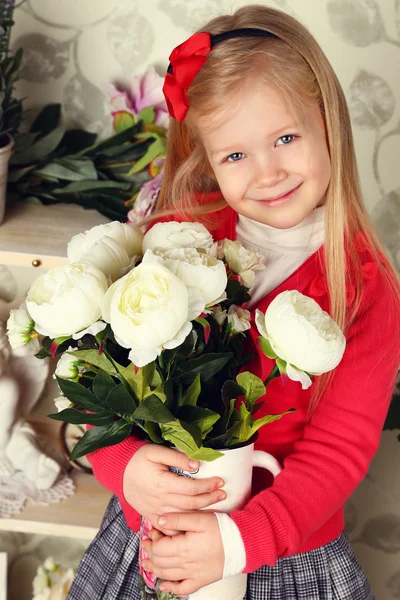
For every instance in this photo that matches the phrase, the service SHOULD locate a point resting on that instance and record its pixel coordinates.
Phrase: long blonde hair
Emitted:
(297, 67)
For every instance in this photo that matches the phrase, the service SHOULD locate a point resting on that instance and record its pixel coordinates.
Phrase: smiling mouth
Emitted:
(280, 198)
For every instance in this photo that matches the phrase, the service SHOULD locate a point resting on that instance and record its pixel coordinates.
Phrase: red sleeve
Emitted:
(109, 465)
(339, 442)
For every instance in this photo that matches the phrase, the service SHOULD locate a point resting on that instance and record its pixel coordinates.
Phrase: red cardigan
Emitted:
(323, 459)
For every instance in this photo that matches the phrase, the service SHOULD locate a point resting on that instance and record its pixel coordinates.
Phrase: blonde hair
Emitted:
(307, 78)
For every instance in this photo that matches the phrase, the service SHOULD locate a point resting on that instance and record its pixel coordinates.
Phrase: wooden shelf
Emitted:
(35, 232)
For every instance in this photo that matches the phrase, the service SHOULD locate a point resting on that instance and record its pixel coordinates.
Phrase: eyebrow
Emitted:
(272, 134)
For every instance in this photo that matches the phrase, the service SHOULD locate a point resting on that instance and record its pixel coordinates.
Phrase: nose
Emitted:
(269, 173)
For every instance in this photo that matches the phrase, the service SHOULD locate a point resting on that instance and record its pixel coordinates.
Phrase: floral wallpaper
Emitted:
(73, 48)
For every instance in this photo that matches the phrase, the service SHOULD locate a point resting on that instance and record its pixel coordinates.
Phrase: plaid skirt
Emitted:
(108, 570)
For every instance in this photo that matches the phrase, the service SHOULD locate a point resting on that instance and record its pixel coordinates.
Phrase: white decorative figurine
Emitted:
(22, 379)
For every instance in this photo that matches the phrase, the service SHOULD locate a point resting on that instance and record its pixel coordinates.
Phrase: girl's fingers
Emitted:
(174, 574)
(189, 503)
(161, 562)
(174, 484)
(172, 458)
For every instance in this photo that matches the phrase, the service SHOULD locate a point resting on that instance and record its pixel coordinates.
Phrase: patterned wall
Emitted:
(74, 47)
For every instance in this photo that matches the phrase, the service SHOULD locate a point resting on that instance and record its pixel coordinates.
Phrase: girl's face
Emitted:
(268, 167)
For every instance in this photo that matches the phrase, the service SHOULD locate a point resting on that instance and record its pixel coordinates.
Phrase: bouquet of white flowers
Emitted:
(150, 336)
(150, 333)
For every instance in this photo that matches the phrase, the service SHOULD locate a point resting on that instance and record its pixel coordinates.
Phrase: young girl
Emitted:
(260, 148)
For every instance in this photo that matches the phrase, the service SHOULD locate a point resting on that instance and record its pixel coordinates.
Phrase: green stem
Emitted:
(271, 375)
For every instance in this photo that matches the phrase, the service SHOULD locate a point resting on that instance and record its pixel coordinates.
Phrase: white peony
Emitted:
(148, 310)
(241, 261)
(113, 247)
(62, 402)
(164, 236)
(301, 334)
(68, 367)
(238, 319)
(67, 299)
(21, 331)
(203, 274)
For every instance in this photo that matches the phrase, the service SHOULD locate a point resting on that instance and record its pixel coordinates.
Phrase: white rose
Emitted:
(164, 236)
(241, 261)
(67, 299)
(112, 247)
(62, 402)
(148, 310)
(68, 367)
(198, 270)
(21, 331)
(302, 334)
(238, 319)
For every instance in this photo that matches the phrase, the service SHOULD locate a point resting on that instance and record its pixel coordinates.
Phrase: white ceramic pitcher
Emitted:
(235, 468)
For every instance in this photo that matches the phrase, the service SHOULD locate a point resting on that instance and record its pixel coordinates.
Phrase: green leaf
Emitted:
(206, 454)
(70, 170)
(47, 120)
(98, 360)
(191, 396)
(231, 389)
(123, 120)
(253, 387)
(206, 365)
(266, 347)
(179, 437)
(194, 431)
(154, 432)
(242, 430)
(153, 409)
(100, 437)
(103, 384)
(158, 147)
(140, 382)
(121, 402)
(281, 364)
(76, 140)
(90, 185)
(115, 140)
(77, 394)
(40, 149)
(203, 418)
(265, 420)
(71, 415)
(147, 115)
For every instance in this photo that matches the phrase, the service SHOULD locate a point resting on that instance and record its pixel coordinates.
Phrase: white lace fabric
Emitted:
(16, 489)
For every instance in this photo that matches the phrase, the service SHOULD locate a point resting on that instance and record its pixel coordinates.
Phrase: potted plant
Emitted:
(10, 107)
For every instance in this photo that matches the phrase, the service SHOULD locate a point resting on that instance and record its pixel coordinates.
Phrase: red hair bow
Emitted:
(186, 61)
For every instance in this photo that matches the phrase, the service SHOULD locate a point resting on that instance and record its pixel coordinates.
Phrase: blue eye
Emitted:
(287, 139)
(235, 157)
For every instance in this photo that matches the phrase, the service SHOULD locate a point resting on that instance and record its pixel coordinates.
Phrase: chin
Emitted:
(285, 220)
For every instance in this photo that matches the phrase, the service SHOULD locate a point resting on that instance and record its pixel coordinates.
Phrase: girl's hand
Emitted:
(194, 558)
(153, 490)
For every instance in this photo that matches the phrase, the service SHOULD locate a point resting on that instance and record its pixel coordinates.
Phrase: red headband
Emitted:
(186, 61)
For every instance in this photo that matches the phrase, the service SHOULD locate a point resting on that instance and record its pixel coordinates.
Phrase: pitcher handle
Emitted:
(266, 461)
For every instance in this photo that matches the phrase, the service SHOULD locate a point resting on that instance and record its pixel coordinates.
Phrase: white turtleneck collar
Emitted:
(283, 250)
(308, 234)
